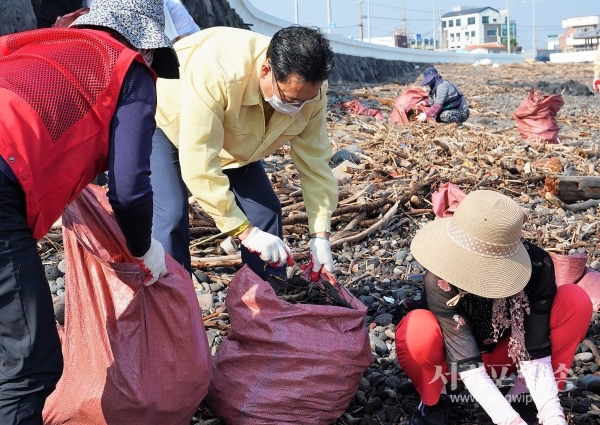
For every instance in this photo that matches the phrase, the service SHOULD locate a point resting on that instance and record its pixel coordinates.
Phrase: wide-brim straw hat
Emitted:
(479, 249)
(142, 23)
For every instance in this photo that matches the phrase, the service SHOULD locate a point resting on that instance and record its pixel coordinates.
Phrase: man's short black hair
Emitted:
(302, 51)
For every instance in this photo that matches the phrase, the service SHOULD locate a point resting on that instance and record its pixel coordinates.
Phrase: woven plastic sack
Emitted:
(406, 103)
(536, 118)
(568, 268)
(590, 282)
(287, 363)
(133, 355)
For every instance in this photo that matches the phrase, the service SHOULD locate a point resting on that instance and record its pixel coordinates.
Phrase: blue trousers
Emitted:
(253, 194)
(31, 361)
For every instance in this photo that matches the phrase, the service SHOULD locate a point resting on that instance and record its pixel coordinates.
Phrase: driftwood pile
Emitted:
(296, 290)
(386, 176)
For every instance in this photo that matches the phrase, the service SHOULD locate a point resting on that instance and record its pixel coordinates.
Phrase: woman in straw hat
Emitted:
(492, 307)
(75, 102)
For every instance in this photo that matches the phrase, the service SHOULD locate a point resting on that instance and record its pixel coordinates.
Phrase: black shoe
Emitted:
(432, 415)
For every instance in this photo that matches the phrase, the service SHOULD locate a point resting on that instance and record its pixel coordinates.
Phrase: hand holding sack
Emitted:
(422, 117)
(272, 250)
(153, 262)
(320, 252)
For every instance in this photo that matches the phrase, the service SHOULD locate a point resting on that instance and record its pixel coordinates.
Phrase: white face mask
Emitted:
(148, 57)
(278, 104)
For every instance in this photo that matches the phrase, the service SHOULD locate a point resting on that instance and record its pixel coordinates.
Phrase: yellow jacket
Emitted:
(597, 64)
(214, 114)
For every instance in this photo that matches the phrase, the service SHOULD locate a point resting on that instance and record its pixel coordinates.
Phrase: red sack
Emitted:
(568, 268)
(287, 363)
(406, 103)
(355, 107)
(536, 120)
(133, 355)
(590, 282)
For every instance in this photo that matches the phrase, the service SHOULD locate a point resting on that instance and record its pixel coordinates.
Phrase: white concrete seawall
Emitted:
(266, 24)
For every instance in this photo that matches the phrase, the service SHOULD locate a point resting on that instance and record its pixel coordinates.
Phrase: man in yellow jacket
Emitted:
(241, 97)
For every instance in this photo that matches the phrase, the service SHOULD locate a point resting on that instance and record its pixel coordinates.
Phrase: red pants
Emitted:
(422, 354)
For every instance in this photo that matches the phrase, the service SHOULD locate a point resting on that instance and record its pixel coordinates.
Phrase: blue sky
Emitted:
(387, 15)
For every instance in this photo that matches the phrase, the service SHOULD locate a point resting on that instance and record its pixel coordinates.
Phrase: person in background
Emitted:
(241, 97)
(492, 307)
(596, 82)
(74, 102)
(448, 105)
(52, 9)
(178, 22)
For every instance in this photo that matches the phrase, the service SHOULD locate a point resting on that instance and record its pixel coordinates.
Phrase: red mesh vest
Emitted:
(58, 92)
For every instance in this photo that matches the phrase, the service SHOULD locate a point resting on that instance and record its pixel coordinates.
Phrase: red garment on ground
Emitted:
(422, 354)
(59, 89)
(446, 199)
(536, 118)
(355, 107)
(133, 355)
(287, 363)
(408, 100)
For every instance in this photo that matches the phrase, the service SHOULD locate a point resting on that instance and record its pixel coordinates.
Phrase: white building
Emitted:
(576, 29)
(467, 25)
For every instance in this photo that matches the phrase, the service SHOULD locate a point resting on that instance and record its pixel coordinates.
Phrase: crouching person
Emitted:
(493, 309)
(74, 103)
(448, 105)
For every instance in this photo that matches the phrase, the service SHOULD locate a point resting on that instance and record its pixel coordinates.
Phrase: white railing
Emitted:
(266, 24)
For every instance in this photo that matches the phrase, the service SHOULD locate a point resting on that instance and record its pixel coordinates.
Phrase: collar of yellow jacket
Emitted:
(252, 94)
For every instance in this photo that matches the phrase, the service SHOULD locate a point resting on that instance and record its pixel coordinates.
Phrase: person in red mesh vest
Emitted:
(75, 102)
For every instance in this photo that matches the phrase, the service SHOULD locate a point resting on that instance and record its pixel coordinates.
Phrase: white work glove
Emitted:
(272, 250)
(483, 389)
(320, 251)
(596, 84)
(153, 262)
(422, 117)
(541, 382)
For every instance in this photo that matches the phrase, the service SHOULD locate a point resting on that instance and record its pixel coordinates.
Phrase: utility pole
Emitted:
(329, 16)
(533, 2)
(404, 17)
(508, 26)
(296, 10)
(434, 25)
(360, 26)
(369, 19)
(441, 30)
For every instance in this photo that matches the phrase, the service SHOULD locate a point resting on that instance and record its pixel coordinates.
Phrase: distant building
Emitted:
(552, 41)
(466, 26)
(580, 34)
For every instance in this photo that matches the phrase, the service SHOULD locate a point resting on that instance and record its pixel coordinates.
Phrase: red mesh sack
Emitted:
(287, 363)
(406, 102)
(134, 355)
(536, 118)
(590, 282)
(568, 268)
